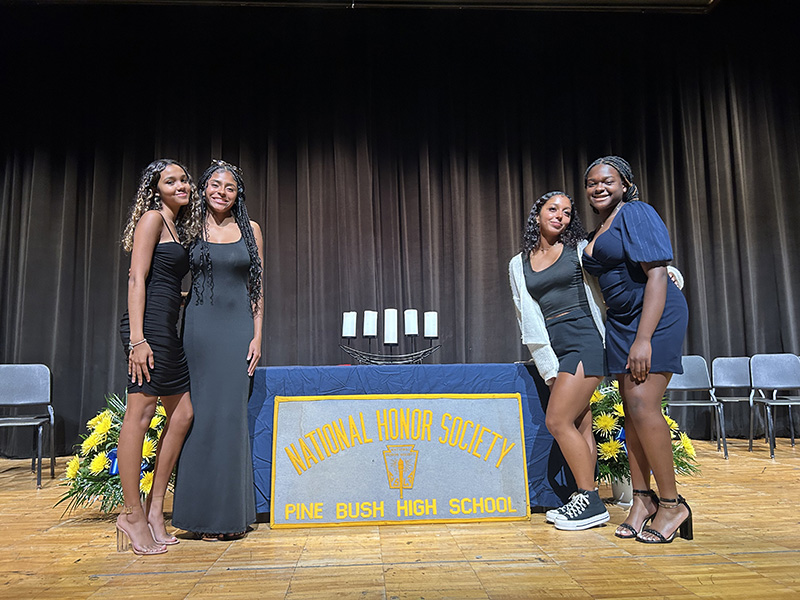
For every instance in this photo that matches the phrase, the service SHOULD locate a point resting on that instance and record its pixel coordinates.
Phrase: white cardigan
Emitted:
(531, 320)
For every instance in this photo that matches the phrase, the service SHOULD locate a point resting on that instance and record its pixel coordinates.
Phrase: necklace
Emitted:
(613, 212)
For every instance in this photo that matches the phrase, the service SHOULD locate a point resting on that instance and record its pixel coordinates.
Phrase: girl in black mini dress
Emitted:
(560, 316)
(164, 217)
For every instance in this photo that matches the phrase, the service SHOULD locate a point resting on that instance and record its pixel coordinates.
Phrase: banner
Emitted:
(354, 460)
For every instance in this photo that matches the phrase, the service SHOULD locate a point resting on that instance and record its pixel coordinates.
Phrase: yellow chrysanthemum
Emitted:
(146, 482)
(687, 445)
(154, 422)
(609, 450)
(73, 466)
(148, 448)
(90, 442)
(619, 410)
(615, 384)
(103, 426)
(605, 423)
(596, 397)
(673, 425)
(99, 463)
(160, 410)
(91, 423)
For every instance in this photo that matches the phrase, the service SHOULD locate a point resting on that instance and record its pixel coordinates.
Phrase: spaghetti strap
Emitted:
(168, 229)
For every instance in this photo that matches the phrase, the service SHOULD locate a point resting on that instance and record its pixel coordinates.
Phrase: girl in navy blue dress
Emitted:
(646, 318)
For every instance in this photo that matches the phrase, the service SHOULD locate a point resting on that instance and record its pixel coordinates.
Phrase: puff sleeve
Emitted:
(644, 236)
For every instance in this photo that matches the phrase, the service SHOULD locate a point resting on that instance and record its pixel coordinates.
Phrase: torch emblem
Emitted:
(401, 466)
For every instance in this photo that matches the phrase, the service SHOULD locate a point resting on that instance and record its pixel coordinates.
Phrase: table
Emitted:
(549, 481)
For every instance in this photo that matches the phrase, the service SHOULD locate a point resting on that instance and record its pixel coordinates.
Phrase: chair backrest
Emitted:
(694, 377)
(775, 371)
(731, 372)
(22, 385)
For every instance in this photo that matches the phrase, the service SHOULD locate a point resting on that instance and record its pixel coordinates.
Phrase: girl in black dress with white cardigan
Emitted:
(560, 317)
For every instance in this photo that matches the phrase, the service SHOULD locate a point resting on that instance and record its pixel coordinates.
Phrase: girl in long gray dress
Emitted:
(222, 339)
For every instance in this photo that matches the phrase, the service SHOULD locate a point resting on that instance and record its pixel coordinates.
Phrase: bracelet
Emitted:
(132, 346)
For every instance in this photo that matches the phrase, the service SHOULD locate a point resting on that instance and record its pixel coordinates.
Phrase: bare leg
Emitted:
(179, 418)
(139, 412)
(652, 446)
(642, 506)
(584, 424)
(566, 419)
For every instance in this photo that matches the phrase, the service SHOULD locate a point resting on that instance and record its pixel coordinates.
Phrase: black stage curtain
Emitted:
(391, 157)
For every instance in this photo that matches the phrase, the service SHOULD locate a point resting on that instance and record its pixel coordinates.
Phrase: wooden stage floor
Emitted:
(747, 545)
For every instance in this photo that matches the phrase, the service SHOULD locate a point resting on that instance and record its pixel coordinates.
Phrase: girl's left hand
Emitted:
(639, 360)
(253, 356)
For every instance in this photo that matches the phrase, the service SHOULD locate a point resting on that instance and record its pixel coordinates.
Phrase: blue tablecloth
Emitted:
(545, 465)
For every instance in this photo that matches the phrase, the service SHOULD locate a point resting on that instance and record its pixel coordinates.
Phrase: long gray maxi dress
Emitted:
(214, 486)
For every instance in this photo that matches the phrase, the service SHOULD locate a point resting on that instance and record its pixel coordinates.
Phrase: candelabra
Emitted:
(390, 336)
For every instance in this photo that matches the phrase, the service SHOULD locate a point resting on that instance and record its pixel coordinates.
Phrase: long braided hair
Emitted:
(625, 172)
(572, 234)
(202, 270)
(188, 219)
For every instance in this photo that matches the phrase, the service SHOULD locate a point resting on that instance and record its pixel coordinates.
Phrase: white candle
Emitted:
(390, 326)
(349, 324)
(431, 324)
(370, 323)
(411, 321)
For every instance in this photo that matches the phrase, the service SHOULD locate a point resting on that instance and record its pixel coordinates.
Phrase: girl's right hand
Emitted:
(140, 362)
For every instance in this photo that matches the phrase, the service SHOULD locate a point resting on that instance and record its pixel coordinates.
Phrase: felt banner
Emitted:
(378, 459)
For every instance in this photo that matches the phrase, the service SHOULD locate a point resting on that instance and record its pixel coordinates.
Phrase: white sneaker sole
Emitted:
(581, 524)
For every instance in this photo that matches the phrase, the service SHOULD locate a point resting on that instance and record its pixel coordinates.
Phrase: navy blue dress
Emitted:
(636, 235)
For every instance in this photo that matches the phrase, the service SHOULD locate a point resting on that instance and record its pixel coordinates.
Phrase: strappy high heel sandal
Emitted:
(124, 540)
(630, 528)
(171, 540)
(684, 529)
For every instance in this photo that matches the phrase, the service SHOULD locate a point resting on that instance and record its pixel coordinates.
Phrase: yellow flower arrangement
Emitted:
(99, 463)
(686, 444)
(610, 450)
(605, 423)
(608, 423)
(149, 448)
(90, 442)
(92, 474)
(72, 467)
(146, 483)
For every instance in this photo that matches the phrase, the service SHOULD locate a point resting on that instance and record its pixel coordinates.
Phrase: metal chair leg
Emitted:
(770, 429)
(791, 424)
(52, 452)
(721, 428)
(39, 455)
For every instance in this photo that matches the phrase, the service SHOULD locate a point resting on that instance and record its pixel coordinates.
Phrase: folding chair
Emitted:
(24, 387)
(695, 378)
(773, 372)
(732, 372)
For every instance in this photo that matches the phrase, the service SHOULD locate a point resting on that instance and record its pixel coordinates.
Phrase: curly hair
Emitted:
(202, 270)
(572, 234)
(188, 219)
(625, 172)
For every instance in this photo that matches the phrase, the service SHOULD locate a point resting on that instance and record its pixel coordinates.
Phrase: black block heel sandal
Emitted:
(683, 530)
(626, 527)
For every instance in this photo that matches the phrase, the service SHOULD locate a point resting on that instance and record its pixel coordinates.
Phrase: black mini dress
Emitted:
(561, 295)
(170, 375)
